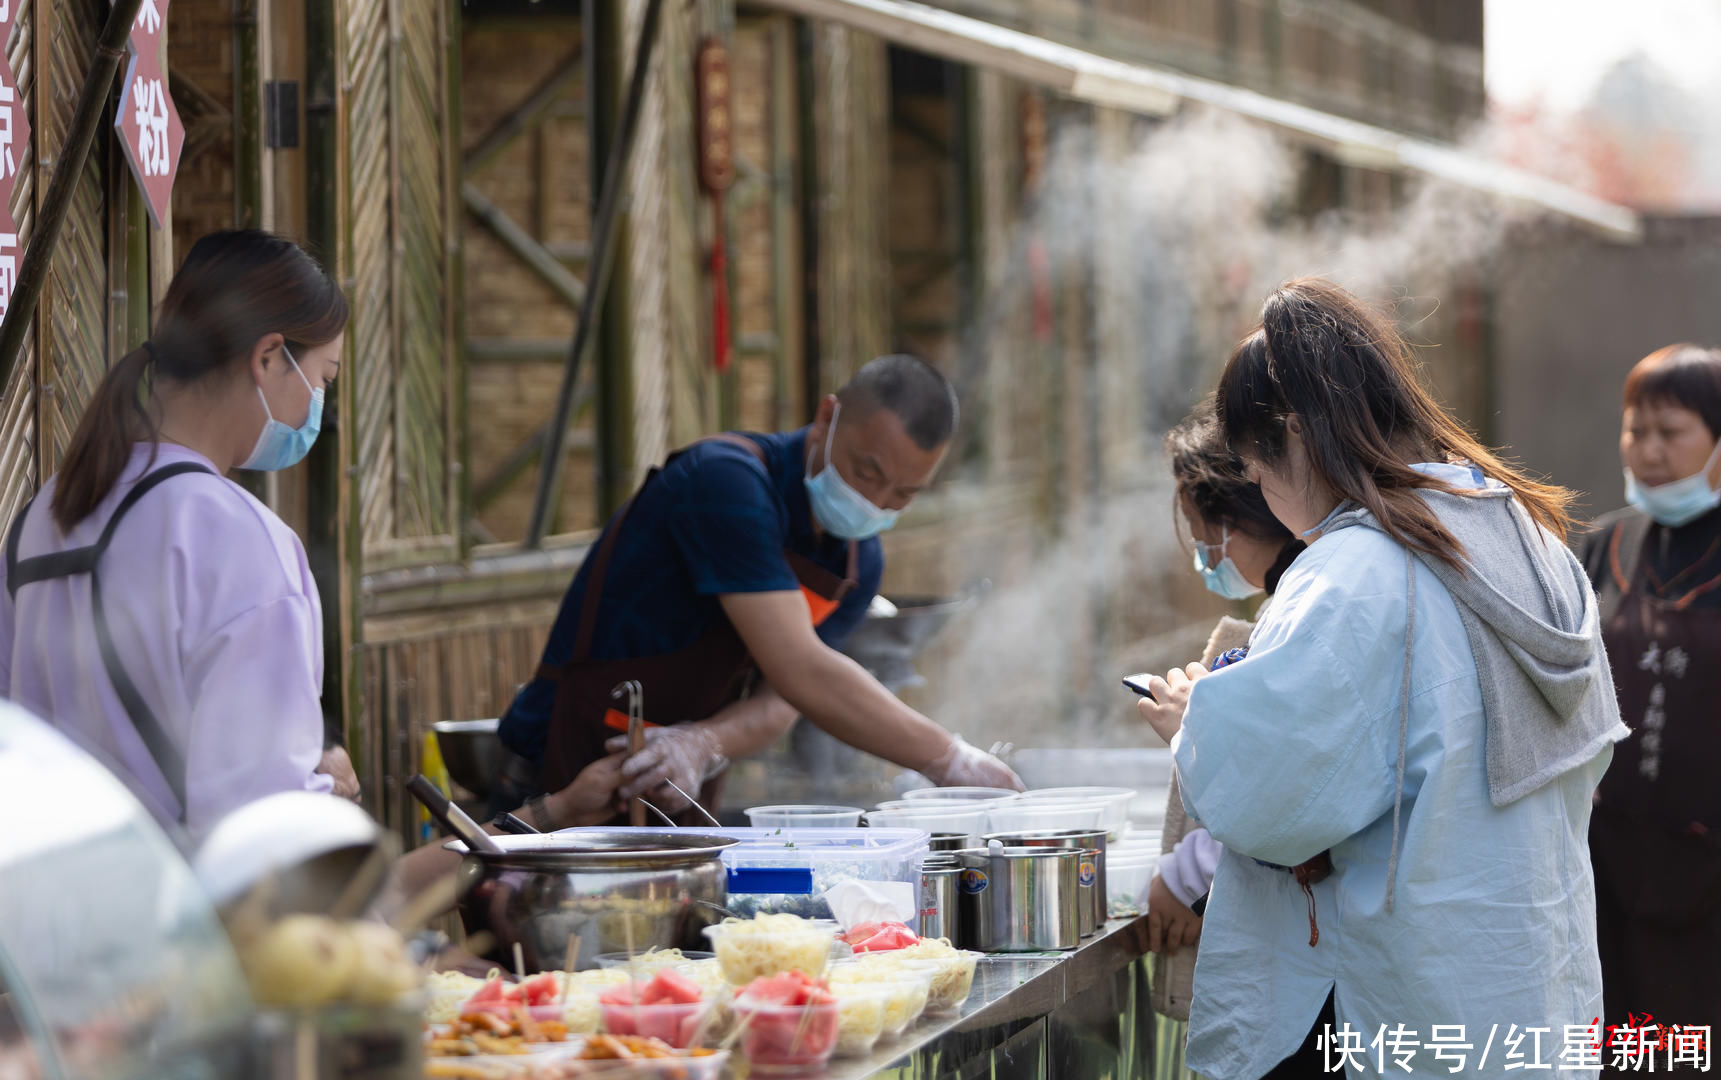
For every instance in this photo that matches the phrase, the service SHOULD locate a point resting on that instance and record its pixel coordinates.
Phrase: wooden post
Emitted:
(613, 367)
(785, 375)
(247, 116)
(454, 331)
(68, 166)
(329, 545)
(812, 312)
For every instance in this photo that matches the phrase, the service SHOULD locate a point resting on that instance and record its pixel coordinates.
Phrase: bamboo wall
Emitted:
(96, 303)
(518, 326)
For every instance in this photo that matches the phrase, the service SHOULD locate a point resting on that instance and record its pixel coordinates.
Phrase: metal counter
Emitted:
(1085, 1014)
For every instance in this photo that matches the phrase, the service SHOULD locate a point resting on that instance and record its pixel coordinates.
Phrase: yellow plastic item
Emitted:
(430, 764)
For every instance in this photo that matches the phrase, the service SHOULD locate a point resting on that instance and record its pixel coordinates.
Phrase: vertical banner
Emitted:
(149, 126)
(14, 137)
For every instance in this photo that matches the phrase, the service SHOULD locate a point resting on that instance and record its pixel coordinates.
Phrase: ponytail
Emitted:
(232, 289)
(101, 446)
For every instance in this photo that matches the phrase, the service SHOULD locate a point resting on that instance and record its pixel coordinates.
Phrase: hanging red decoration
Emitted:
(716, 174)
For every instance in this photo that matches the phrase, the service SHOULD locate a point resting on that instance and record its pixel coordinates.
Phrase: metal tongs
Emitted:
(635, 736)
(635, 743)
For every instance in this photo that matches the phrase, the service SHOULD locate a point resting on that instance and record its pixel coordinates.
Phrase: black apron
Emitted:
(86, 560)
(680, 687)
(1655, 835)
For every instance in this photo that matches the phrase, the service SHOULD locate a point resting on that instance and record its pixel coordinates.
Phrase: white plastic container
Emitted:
(1023, 816)
(748, 950)
(1114, 803)
(933, 817)
(804, 817)
(1127, 879)
(947, 794)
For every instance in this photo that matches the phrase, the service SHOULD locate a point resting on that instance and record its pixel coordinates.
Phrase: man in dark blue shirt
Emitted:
(726, 588)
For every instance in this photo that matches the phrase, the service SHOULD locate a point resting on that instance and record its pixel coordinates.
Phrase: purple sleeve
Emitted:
(238, 752)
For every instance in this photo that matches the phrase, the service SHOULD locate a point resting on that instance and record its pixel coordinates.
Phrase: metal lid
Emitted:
(589, 849)
(1050, 837)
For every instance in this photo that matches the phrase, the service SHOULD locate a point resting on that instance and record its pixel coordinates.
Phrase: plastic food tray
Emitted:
(789, 870)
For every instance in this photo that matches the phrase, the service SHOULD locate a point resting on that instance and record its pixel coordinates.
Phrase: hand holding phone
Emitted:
(1139, 684)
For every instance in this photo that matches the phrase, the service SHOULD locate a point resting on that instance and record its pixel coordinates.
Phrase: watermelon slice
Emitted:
(670, 987)
(491, 992)
(791, 988)
(539, 990)
(667, 987)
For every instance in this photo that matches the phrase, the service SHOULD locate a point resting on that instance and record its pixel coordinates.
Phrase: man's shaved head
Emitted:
(908, 386)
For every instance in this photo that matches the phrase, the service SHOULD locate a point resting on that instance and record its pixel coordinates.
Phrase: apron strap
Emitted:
(606, 550)
(84, 560)
(1638, 528)
(1625, 579)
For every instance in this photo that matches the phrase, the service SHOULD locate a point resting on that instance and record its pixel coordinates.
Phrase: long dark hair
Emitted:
(1325, 356)
(1212, 478)
(233, 288)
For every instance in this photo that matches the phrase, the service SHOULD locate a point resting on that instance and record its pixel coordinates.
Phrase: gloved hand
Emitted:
(685, 754)
(962, 765)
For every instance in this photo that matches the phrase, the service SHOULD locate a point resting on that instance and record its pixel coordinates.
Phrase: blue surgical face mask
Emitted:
(1223, 578)
(279, 446)
(839, 509)
(1679, 502)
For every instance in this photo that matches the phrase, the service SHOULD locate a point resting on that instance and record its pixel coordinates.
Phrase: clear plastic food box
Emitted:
(789, 870)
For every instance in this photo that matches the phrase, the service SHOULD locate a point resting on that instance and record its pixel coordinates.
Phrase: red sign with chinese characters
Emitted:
(14, 137)
(148, 124)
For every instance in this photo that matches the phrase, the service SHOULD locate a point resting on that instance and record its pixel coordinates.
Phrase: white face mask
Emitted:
(1222, 579)
(840, 509)
(1679, 502)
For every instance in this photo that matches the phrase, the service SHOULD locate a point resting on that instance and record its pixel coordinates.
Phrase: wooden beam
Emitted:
(517, 240)
(515, 350)
(532, 449)
(525, 117)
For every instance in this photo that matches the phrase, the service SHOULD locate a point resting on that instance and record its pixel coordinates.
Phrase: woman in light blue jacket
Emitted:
(1428, 699)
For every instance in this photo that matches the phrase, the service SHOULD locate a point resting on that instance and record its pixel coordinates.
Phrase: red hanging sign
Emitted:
(14, 137)
(147, 122)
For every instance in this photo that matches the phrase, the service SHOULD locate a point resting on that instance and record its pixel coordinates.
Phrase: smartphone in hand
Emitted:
(1138, 683)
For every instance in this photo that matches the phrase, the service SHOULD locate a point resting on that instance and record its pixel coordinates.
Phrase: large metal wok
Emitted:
(592, 890)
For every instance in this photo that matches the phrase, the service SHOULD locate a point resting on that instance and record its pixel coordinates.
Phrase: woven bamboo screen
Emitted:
(401, 353)
(18, 467)
(72, 328)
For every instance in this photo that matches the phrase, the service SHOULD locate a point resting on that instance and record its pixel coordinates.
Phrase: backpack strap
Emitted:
(85, 560)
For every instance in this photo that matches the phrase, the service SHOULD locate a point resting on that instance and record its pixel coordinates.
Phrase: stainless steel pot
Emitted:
(940, 915)
(1090, 872)
(609, 890)
(1020, 899)
(948, 841)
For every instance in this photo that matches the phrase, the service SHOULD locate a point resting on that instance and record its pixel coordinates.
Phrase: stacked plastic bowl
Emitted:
(974, 812)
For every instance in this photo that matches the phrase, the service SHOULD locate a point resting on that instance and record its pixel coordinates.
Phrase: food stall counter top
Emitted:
(1010, 987)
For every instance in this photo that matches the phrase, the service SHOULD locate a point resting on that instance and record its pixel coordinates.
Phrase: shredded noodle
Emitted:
(770, 944)
(860, 1020)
